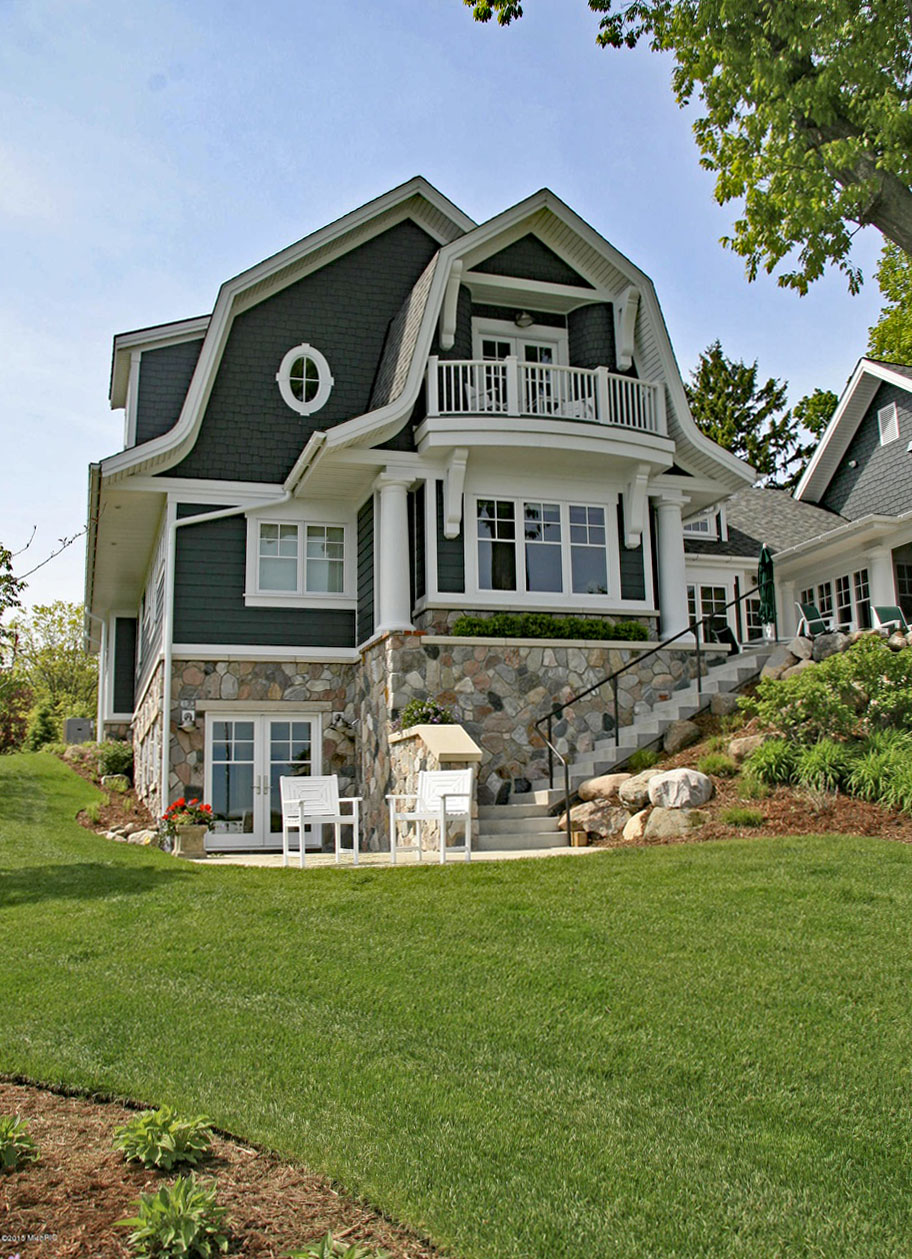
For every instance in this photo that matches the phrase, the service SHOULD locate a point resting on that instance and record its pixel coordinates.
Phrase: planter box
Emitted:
(190, 841)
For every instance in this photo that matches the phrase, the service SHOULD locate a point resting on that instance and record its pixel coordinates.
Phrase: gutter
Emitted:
(882, 523)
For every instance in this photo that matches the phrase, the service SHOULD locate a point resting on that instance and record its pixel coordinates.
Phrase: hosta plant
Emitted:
(825, 765)
(16, 1146)
(329, 1247)
(180, 1221)
(773, 762)
(160, 1138)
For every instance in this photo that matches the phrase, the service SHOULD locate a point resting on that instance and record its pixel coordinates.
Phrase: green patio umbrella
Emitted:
(766, 587)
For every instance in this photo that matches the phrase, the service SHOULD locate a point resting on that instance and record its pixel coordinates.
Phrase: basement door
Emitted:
(246, 755)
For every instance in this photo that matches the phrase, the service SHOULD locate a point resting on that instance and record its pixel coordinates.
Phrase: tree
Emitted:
(805, 115)
(812, 414)
(890, 338)
(15, 696)
(52, 661)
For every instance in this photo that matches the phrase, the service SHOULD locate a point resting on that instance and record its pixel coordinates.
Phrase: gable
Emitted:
(344, 310)
(881, 480)
(530, 259)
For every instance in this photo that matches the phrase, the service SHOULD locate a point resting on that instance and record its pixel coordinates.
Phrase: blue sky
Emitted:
(150, 150)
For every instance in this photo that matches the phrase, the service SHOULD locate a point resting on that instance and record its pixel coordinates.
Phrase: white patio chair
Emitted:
(443, 796)
(314, 801)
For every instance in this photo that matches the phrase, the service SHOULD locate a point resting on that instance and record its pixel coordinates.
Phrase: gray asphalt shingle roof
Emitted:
(758, 516)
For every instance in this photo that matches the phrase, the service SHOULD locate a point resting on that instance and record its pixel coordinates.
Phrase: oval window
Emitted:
(304, 379)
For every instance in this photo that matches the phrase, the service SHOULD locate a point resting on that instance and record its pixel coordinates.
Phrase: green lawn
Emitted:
(689, 1051)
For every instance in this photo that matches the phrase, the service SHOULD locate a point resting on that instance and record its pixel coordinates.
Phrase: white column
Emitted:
(880, 575)
(672, 573)
(394, 592)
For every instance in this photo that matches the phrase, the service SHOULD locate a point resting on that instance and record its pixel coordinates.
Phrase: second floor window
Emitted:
(301, 559)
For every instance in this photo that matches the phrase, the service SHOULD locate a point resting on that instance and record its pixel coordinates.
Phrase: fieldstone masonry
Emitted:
(497, 689)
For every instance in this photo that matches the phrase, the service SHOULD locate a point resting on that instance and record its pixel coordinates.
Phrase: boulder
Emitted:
(801, 647)
(724, 704)
(672, 823)
(596, 817)
(826, 645)
(115, 782)
(680, 789)
(633, 831)
(897, 641)
(740, 749)
(144, 837)
(680, 735)
(634, 793)
(602, 788)
(780, 660)
(796, 669)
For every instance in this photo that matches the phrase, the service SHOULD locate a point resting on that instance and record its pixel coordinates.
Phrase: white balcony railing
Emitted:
(509, 387)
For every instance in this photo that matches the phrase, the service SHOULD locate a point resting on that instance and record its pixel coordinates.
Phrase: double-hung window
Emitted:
(541, 548)
(300, 559)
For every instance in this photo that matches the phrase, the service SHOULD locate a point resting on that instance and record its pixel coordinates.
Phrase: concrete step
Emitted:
(517, 843)
(540, 823)
(499, 812)
(540, 793)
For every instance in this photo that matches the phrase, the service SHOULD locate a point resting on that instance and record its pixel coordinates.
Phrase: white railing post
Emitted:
(661, 419)
(433, 403)
(512, 368)
(603, 410)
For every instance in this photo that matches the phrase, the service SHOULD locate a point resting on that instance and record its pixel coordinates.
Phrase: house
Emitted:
(844, 541)
(402, 418)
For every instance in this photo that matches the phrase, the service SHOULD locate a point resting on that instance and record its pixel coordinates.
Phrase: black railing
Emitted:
(724, 637)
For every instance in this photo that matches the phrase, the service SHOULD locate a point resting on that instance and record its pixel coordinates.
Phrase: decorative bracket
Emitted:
(635, 501)
(450, 302)
(626, 325)
(452, 491)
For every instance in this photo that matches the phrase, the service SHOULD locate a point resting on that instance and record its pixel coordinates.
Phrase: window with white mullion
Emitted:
(496, 533)
(543, 549)
(279, 567)
(325, 559)
(588, 550)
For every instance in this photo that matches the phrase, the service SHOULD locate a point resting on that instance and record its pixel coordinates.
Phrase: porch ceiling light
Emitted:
(523, 319)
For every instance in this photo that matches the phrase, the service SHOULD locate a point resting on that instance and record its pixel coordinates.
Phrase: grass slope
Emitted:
(689, 1051)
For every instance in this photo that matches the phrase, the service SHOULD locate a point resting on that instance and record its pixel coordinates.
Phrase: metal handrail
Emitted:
(693, 627)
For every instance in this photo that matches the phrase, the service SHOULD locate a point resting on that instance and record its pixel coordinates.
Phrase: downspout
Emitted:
(304, 466)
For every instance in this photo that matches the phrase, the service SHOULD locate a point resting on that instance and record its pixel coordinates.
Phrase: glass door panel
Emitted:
(290, 754)
(233, 768)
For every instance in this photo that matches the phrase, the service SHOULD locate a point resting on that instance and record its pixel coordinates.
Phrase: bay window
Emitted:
(541, 548)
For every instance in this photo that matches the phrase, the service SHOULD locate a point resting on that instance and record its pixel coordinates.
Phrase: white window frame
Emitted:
(539, 334)
(324, 378)
(525, 599)
(257, 597)
(888, 424)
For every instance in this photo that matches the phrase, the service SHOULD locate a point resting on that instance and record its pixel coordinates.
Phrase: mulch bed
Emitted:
(787, 811)
(66, 1205)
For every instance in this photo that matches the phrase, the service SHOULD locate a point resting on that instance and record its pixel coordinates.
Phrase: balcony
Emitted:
(508, 387)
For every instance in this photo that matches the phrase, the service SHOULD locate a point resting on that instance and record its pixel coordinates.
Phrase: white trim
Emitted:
(325, 379)
(506, 290)
(291, 514)
(535, 334)
(888, 424)
(268, 707)
(231, 651)
(445, 602)
(449, 308)
(154, 338)
(625, 324)
(621, 644)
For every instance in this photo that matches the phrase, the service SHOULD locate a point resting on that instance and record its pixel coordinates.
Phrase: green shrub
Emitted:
(424, 712)
(642, 759)
(16, 1146)
(159, 1138)
(717, 763)
(742, 817)
(541, 625)
(115, 757)
(752, 788)
(824, 766)
(330, 1248)
(54, 749)
(774, 762)
(849, 695)
(180, 1221)
(43, 729)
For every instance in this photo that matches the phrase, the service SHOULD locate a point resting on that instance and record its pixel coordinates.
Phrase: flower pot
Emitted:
(190, 841)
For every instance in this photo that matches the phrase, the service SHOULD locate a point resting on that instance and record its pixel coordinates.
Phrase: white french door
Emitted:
(246, 755)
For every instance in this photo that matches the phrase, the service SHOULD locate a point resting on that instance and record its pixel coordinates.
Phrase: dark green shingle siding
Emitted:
(633, 569)
(530, 259)
(209, 581)
(164, 378)
(366, 571)
(124, 663)
(882, 480)
(591, 336)
(450, 555)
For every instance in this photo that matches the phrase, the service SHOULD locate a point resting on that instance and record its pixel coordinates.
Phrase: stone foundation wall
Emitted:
(409, 756)
(147, 734)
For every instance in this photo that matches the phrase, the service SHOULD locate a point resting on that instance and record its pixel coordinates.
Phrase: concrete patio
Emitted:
(375, 860)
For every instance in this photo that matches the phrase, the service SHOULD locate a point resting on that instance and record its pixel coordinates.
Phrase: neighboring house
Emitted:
(401, 418)
(844, 542)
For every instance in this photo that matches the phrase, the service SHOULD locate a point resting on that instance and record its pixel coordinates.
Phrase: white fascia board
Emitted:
(155, 338)
(855, 400)
(200, 490)
(867, 529)
(171, 446)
